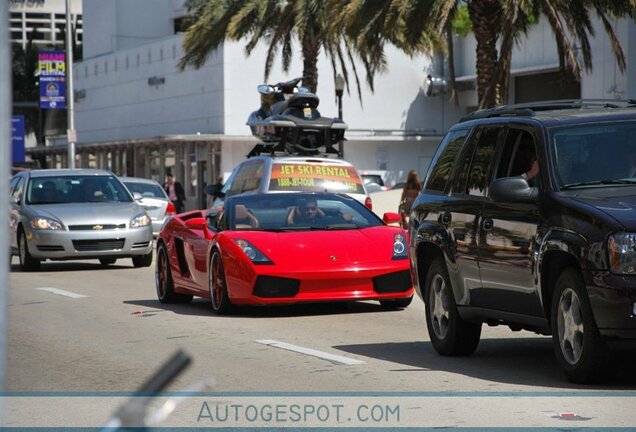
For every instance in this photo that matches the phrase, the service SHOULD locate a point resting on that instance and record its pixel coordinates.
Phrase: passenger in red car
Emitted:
(245, 217)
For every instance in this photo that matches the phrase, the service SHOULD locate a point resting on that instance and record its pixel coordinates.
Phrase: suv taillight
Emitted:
(171, 210)
(368, 203)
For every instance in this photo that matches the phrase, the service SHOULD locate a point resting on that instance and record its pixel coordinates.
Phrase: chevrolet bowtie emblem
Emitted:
(98, 227)
(333, 258)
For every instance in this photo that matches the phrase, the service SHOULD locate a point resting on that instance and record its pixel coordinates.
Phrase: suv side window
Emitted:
(248, 177)
(519, 152)
(480, 168)
(227, 187)
(444, 159)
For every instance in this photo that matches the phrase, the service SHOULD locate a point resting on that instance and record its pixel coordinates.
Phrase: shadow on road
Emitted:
(201, 307)
(70, 266)
(527, 361)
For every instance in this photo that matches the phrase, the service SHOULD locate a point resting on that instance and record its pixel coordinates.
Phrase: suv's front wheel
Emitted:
(449, 333)
(578, 346)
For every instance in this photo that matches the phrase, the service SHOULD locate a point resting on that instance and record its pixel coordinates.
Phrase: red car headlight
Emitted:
(400, 250)
(255, 255)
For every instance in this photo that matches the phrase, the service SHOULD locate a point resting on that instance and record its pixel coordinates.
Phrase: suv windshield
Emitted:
(595, 155)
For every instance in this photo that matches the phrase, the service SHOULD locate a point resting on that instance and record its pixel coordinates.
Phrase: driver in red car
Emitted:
(307, 213)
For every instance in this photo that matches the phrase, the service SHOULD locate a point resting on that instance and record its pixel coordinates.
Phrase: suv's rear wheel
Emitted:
(449, 333)
(578, 346)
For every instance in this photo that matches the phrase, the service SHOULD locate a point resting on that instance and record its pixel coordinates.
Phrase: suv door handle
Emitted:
(487, 224)
(445, 218)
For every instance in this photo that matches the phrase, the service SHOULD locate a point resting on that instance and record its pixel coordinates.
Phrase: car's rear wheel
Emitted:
(164, 282)
(27, 262)
(142, 260)
(107, 261)
(219, 298)
(578, 346)
(396, 304)
(449, 333)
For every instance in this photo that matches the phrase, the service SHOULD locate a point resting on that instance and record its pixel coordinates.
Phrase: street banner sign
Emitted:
(17, 138)
(52, 74)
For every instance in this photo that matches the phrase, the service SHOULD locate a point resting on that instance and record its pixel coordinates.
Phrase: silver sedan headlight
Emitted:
(622, 253)
(141, 220)
(44, 223)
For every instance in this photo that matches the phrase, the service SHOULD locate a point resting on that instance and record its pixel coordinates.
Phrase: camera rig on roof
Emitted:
(288, 122)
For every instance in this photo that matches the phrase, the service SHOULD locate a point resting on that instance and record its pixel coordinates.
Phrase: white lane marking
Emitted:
(62, 292)
(308, 351)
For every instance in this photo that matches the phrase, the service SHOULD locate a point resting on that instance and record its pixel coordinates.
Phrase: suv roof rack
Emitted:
(530, 109)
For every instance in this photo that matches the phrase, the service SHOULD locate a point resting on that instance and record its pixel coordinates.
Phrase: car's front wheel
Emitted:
(142, 260)
(578, 346)
(219, 298)
(449, 333)
(163, 280)
(27, 262)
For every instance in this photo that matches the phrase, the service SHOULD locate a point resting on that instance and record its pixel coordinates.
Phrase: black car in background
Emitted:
(554, 252)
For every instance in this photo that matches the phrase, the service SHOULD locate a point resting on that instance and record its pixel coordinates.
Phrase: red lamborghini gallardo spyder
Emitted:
(283, 248)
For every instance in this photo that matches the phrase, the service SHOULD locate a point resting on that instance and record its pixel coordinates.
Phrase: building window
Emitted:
(181, 24)
(192, 186)
(154, 163)
(169, 161)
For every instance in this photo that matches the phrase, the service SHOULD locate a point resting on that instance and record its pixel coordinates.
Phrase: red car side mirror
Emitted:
(391, 218)
(199, 224)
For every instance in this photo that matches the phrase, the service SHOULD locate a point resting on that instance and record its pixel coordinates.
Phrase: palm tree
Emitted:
(278, 23)
(497, 25)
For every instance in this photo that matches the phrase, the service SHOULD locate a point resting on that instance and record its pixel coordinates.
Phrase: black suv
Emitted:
(494, 241)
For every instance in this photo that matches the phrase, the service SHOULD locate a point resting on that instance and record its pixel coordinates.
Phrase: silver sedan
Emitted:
(76, 214)
(152, 198)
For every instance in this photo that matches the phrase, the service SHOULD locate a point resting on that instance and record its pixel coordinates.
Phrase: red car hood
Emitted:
(325, 248)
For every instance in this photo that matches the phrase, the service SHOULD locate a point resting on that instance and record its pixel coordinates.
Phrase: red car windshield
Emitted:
(297, 212)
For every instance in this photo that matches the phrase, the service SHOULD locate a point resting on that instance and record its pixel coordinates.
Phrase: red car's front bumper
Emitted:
(264, 284)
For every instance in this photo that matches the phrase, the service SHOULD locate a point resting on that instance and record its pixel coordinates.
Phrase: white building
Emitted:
(137, 114)
(43, 21)
(534, 69)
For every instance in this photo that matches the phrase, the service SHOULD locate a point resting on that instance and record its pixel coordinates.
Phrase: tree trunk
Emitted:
(311, 50)
(484, 15)
(454, 97)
